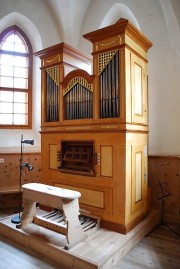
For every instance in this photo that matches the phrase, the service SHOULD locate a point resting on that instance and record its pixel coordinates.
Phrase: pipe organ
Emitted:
(94, 129)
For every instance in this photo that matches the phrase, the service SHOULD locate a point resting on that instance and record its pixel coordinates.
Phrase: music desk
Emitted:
(58, 198)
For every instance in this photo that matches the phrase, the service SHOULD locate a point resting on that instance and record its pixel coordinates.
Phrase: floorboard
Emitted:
(159, 250)
(14, 256)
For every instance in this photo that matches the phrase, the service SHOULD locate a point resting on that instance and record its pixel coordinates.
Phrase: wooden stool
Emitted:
(55, 197)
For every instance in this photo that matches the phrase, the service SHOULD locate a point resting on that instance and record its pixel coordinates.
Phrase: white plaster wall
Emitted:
(35, 19)
(164, 81)
(48, 22)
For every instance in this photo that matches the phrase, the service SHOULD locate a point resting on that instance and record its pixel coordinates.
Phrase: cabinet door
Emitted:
(139, 177)
(139, 90)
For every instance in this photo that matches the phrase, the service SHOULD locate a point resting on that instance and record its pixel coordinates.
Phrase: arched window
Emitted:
(15, 79)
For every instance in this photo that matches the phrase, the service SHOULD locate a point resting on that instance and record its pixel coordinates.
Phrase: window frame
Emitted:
(3, 34)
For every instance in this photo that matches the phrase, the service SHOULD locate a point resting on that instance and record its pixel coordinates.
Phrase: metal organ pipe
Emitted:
(117, 90)
(109, 89)
(52, 99)
(78, 103)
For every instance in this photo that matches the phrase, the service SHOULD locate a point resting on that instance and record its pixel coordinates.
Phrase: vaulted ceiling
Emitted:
(66, 12)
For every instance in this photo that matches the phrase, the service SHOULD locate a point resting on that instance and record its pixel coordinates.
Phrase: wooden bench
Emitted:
(10, 198)
(7, 191)
(58, 198)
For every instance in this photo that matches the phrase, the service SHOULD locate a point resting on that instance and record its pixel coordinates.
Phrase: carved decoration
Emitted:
(79, 80)
(104, 59)
(52, 60)
(53, 72)
(109, 43)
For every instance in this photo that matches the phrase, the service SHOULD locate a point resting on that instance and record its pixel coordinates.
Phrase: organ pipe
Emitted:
(52, 99)
(78, 103)
(109, 89)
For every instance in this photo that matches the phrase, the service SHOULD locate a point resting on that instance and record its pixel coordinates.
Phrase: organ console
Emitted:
(94, 128)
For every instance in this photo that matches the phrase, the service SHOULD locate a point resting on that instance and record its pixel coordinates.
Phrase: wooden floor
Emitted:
(160, 249)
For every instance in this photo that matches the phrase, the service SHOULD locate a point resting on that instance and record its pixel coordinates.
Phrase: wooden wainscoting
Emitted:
(9, 176)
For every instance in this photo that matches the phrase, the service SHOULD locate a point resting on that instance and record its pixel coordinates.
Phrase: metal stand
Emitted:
(163, 200)
(162, 191)
(17, 219)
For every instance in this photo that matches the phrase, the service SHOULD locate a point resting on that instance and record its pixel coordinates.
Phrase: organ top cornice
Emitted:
(120, 28)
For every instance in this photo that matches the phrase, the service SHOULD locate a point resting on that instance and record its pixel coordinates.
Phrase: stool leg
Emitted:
(29, 212)
(75, 233)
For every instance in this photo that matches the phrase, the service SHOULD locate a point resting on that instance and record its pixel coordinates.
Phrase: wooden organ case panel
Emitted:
(94, 129)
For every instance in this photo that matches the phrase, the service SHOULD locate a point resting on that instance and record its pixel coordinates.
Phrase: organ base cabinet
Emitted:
(94, 128)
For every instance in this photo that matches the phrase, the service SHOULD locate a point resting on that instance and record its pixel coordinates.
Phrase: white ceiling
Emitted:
(67, 11)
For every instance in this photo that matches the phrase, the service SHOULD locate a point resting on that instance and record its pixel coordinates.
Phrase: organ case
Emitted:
(107, 112)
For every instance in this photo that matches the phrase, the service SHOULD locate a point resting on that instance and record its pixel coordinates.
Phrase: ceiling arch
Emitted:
(116, 12)
(15, 18)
